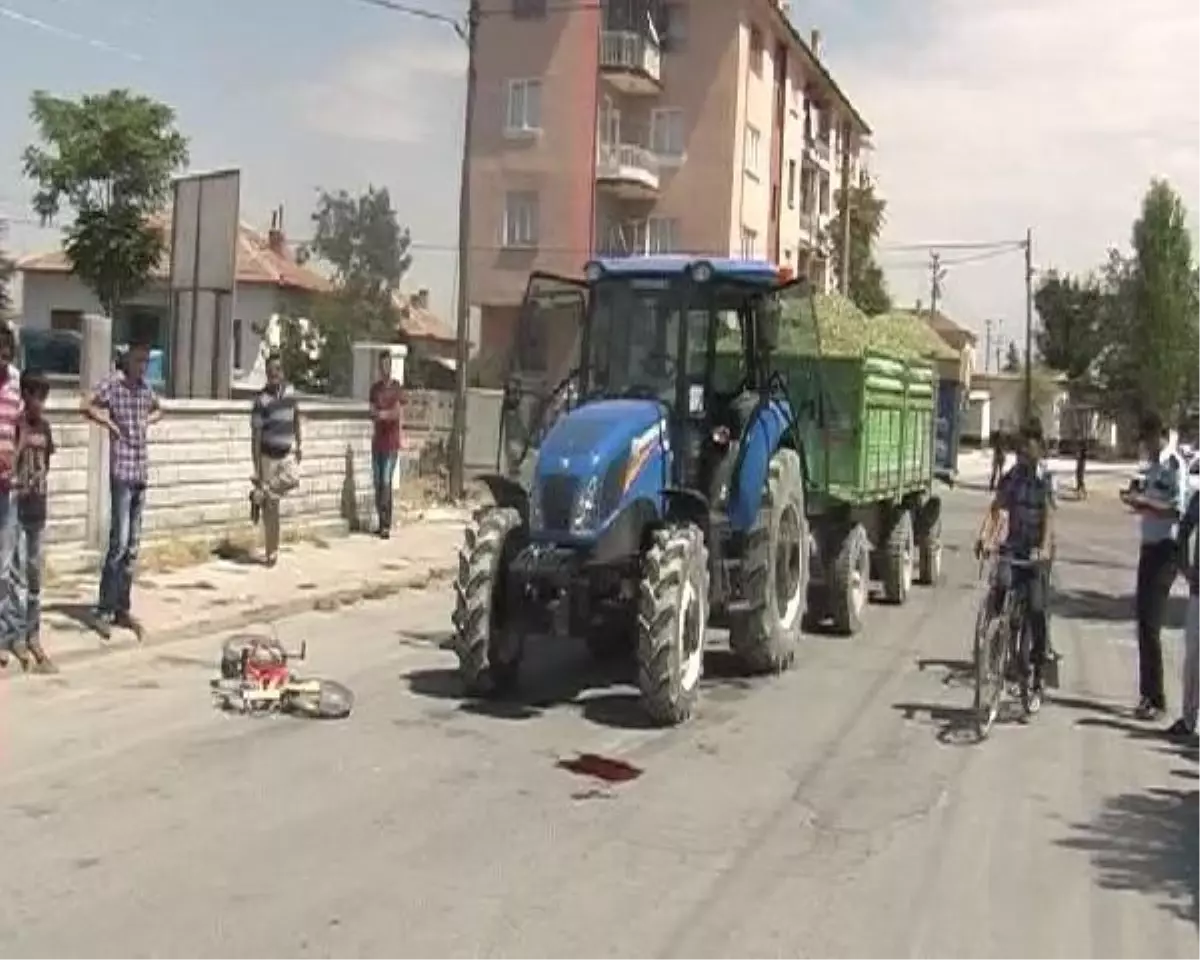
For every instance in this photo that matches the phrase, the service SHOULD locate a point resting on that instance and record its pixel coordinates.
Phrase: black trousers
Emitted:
(1157, 567)
(1034, 584)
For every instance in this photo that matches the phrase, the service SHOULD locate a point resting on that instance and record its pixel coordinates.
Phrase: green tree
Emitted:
(7, 269)
(1161, 343)
(1012, 359)
(868, 286)
(109, 157)
(361, 240)
(1069, 338)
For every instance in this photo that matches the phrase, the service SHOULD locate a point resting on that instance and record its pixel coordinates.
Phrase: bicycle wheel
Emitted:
(990, 663)
(330, 701)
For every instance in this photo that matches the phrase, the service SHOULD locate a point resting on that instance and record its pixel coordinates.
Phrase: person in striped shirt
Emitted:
(12, 628)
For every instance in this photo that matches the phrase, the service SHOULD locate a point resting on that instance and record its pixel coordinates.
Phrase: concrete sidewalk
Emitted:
(226, 594)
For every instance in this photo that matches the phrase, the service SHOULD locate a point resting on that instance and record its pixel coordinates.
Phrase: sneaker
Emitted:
(1148, 711)
(1033, 700)
(1181, 730)
(385, 534)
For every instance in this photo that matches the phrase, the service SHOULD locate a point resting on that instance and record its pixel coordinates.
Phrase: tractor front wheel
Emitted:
(672, 620)
(775, 565)
(489, 655)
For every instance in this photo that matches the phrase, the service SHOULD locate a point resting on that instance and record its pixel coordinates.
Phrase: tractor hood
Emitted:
(583, 443)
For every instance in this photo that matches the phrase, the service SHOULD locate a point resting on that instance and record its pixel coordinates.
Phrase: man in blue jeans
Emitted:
(12, 626)
(386, 400)
(125, 406)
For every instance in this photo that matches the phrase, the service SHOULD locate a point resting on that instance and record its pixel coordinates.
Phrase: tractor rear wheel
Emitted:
(489, 655)
(775, 577)
(672, 620)
(849, 581)
(898, 559)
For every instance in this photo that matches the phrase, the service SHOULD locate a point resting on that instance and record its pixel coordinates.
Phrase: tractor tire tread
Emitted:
(665, 565)
(762, 645)
(479, 566)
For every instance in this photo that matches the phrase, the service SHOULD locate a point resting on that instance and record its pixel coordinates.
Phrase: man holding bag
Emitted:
(275, 451)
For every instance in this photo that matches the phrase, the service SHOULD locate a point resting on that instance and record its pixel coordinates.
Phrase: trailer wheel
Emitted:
(898, 560)
(929, 555)
(672, 619)
(488, 657)
(775, 577)
(849, 581)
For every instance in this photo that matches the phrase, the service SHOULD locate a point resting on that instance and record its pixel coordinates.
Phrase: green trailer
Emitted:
(869, 458)
(864, 391)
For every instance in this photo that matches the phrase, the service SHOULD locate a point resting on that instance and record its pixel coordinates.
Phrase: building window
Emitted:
(749, 244)
(675, 34)
(520, 228)
(791, 185)
(528, 9)
(524, 112)
(756, 51)
(238, 354)
(662, 235)
(823, 198)
(71, 320)
(666, 133)
(751, 149)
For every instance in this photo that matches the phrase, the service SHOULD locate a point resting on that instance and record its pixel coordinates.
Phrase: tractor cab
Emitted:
(671, 352)
(648, 449)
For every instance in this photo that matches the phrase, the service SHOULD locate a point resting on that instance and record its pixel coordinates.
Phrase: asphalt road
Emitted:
(838, 810)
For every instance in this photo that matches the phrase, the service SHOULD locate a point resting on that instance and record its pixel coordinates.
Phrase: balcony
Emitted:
(808, 226)
(819, 148)
(627, 171)
(631, 62)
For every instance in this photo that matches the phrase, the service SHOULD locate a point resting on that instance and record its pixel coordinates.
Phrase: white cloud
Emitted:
(1051, 114)
(381, 95)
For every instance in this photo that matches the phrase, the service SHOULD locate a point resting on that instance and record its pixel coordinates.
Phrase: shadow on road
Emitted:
(1146, 842)
(1096, 605)
(956, 673)
(954, 726)
(561, 674)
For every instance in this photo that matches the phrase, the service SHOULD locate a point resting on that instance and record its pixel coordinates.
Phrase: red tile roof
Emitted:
(258, 262)
(418, 322)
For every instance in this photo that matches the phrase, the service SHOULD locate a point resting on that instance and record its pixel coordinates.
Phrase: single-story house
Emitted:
(431, 343)
(268, 278)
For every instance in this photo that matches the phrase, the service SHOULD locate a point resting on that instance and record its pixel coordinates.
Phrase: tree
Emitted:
(110, 158)
(1162, 341)
(361, 239)
(1069, 338)
(1012, 359)
(868, 286)
(7, 269)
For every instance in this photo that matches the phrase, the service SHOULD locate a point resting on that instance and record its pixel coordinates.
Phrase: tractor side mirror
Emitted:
(768, 328)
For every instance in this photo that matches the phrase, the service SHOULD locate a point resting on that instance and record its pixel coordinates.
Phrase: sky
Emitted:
(990, 117)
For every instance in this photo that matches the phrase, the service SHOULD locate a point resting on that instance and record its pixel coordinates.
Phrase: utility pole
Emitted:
(987, 345)
(467, 31)
(937, 274)
(1028, 323)
(844, 266)
(458, 430)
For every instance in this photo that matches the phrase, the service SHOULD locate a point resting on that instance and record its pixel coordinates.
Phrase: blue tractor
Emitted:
(646, 491)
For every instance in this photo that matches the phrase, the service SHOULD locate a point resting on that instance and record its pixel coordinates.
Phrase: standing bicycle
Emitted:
(1019, 529)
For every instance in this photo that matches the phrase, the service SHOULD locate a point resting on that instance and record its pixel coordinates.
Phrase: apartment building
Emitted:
(632, 127)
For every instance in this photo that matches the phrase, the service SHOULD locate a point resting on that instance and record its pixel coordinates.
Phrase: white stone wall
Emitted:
(200, 465)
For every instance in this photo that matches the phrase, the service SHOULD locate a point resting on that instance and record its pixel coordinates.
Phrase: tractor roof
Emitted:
(751, 270)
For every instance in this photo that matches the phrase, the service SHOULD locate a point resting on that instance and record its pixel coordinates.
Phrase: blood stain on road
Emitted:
(601, 768)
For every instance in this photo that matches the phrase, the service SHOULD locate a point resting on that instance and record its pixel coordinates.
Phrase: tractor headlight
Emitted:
(586, 508)
(593, 271)
(702, 272)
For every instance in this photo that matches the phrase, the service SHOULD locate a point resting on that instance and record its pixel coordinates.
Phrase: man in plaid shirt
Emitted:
(125, 406)
(11, 625)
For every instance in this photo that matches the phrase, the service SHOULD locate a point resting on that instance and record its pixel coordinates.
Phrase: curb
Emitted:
(328, 600)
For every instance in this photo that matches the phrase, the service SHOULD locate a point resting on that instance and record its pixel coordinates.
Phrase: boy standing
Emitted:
(35, 446)
(386, 399)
